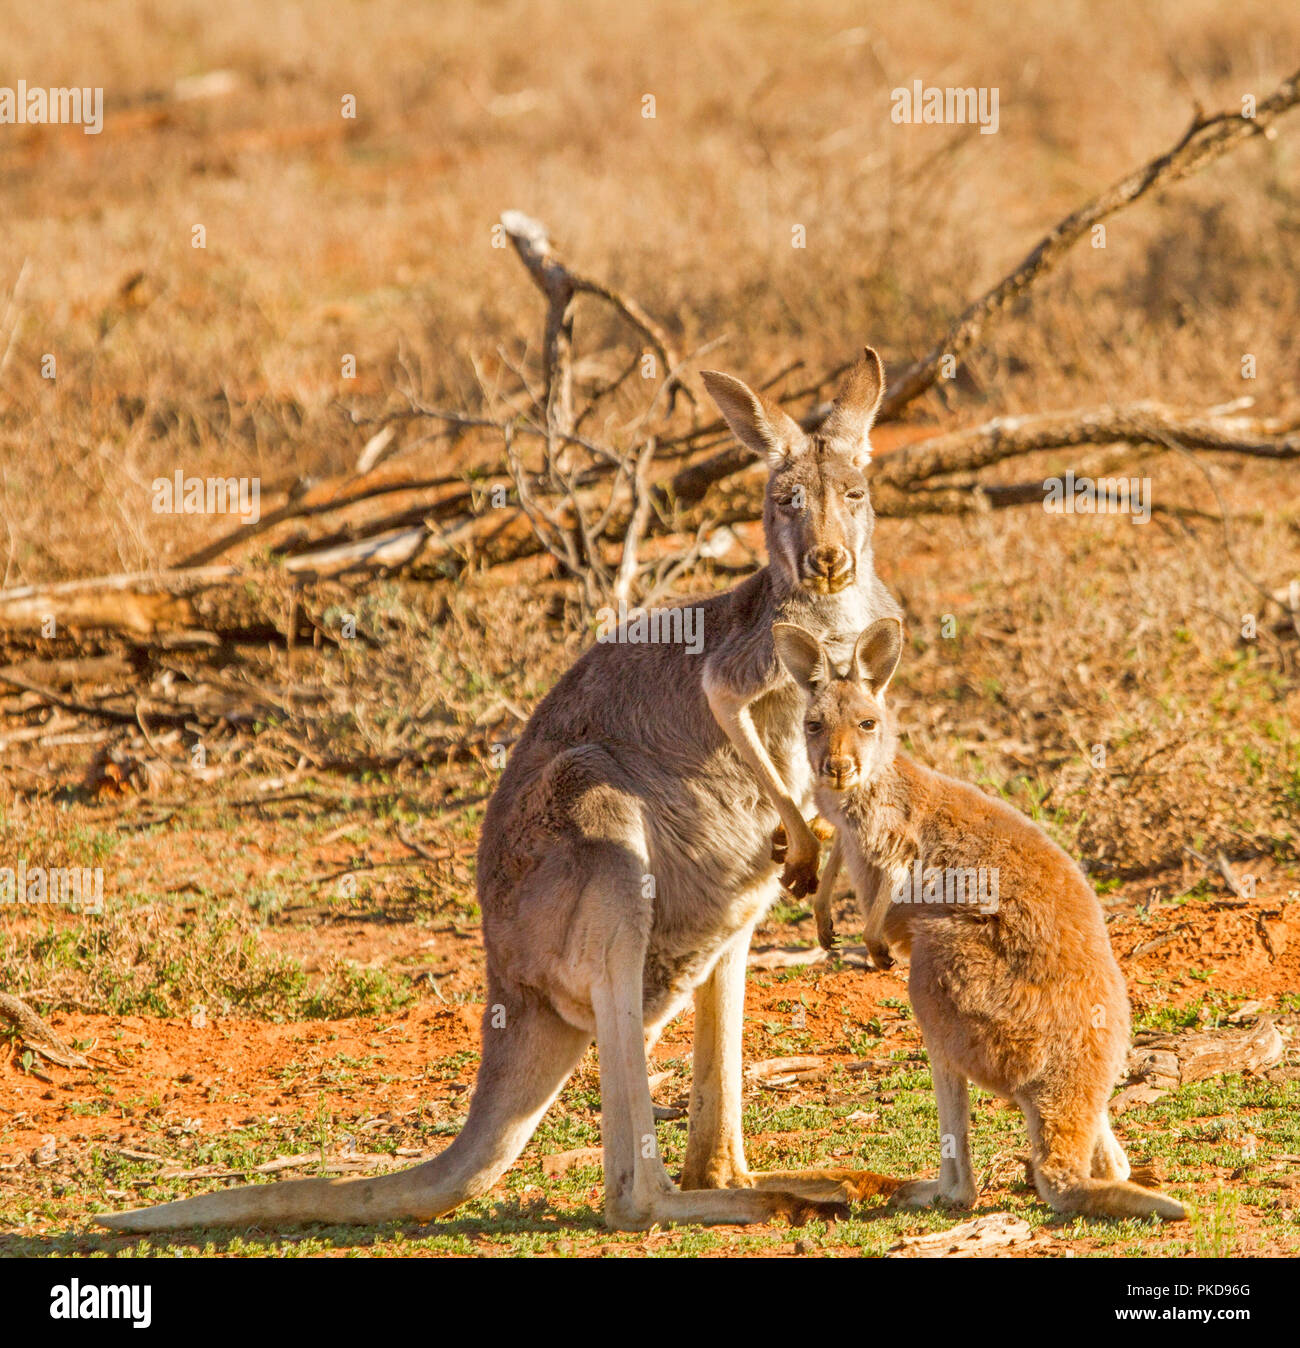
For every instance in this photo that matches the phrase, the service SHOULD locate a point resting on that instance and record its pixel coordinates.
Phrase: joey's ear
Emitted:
(875, 655)
(757, 422)
(856, 405)
(802, 654)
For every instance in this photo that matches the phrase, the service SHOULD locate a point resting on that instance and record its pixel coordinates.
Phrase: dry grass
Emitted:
(1035, 640)
(373, 237)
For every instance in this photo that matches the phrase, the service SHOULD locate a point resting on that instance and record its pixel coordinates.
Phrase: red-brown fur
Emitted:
(1025, 1000)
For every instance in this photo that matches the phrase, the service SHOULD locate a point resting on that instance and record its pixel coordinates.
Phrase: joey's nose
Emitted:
(828, 563)
(839, 770)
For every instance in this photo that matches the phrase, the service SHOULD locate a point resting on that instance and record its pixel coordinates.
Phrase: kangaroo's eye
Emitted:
(866, 725)
(813, 727)
(856, 495)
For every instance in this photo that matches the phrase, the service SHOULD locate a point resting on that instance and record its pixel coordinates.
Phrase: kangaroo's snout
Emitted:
(839, 771)
(829, 568)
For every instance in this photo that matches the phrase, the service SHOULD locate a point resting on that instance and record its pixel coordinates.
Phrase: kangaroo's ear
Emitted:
(802, 654)
(875, 656)
(758, 422)
(856, 404)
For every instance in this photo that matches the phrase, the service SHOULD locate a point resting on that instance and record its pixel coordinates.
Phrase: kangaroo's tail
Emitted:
(528, 1054)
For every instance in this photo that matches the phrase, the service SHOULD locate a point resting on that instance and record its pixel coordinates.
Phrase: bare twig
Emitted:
(1204, 140)
(560, 284)
(642, 501)
(553, 279)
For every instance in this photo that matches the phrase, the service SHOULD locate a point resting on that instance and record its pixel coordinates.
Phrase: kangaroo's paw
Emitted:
(880, 956)
(800, 874)
(832, 1185)
(780, 843)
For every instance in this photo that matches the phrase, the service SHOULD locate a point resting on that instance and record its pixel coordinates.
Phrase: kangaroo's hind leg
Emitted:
(1109, 1160)
(955, 1186)
(715, 1151)
(638, 1191)
(715, 1146)
(1063, 1139)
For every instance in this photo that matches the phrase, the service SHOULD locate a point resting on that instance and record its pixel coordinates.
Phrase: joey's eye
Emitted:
(866, 725)
(813, 727)
(855, 495)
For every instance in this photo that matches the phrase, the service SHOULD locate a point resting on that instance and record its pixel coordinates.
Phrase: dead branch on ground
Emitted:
(36, 1035)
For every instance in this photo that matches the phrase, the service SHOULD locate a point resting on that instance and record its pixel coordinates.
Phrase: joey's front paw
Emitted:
(880, 956)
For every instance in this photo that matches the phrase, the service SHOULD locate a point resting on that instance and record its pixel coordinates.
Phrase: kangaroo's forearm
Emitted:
(733, 715)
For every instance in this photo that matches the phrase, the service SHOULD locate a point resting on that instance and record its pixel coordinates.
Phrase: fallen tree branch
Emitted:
(37, 1035)
(1142, 423)
(1004, 437)
(1159, 1063)
(306, 508)
(573, 526)
(561, 285)
(1204, 140)
(113, 714)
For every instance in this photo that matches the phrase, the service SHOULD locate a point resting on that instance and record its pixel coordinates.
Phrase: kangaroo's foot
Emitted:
(638, 1191)
(832, 1184)
(726, 1207)
(1108, 1157)
(928, 1193)
(955, 1187)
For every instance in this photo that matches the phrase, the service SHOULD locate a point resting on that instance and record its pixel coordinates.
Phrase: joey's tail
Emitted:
(528, 1054)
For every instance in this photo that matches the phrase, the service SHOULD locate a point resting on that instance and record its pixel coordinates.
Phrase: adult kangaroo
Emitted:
(625, 857)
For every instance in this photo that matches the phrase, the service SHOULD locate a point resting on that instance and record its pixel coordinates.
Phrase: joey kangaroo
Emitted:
(1013, 982)
(624, 859)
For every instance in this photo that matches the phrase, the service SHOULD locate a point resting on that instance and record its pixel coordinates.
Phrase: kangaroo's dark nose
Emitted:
(839, 770)
(830, 563)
